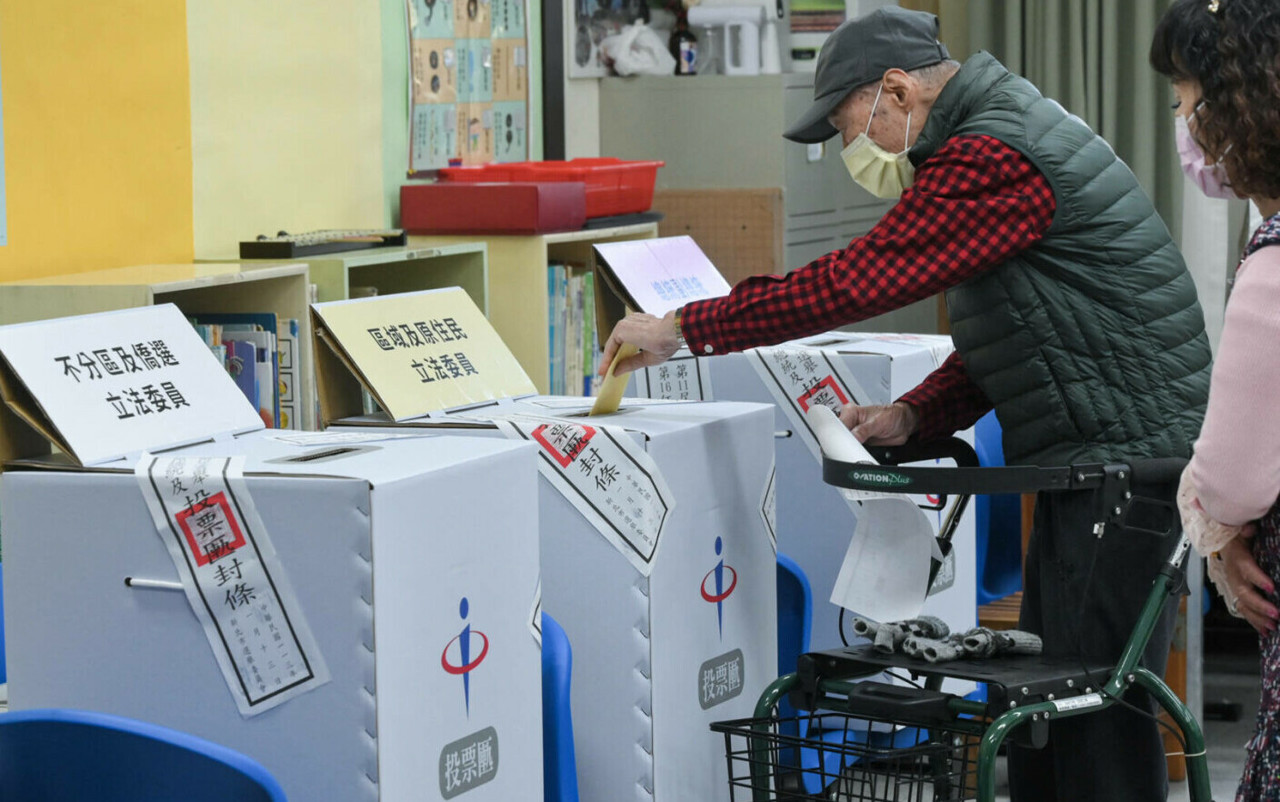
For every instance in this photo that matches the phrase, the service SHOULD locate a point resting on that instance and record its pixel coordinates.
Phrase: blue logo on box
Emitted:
(721, 592)
(461, 662)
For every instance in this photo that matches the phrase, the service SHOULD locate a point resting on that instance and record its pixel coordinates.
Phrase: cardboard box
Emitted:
(464, 207)
(814, 522)
(641, 644)
(667, 589)
(397, 538)
(230, 582)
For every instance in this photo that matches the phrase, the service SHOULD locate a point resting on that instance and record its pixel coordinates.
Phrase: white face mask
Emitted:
(876, 170)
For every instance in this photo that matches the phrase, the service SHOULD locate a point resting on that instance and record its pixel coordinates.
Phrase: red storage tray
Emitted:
(613, 186)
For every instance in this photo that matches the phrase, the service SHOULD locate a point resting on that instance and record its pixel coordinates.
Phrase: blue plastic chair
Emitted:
(997, 523)
(795, 613)
(74, 755)
(559, 766)
(4, 671)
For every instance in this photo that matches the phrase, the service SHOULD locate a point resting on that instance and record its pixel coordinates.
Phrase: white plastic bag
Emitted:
(637, 50)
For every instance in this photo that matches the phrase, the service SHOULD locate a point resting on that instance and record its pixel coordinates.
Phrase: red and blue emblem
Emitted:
(460, 661)
(721, 592)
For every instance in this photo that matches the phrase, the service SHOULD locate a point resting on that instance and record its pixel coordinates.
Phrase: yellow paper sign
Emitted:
(414, 352)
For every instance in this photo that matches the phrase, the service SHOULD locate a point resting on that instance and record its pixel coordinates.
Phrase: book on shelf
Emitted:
(260, 354)
(573, 348)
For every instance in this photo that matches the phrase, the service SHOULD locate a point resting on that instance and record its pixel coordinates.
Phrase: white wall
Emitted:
(582, 118)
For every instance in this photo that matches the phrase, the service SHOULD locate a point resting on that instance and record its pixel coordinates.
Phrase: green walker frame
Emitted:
(1024, 693)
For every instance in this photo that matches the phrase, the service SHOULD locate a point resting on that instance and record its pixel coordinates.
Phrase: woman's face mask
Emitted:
(883, 174)
(1211, 178)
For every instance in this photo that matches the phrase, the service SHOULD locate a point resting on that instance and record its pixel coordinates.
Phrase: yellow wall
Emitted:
(97, 135)
(286, 118)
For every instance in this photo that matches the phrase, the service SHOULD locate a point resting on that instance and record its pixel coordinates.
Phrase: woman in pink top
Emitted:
(1224, 59)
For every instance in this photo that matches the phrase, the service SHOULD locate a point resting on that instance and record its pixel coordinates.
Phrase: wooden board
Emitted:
(740, 230)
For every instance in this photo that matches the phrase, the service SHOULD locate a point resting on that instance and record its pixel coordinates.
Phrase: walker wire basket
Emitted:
(838, 757)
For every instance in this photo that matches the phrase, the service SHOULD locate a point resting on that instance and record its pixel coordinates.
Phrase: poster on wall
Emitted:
(468, 83)
(592, 22)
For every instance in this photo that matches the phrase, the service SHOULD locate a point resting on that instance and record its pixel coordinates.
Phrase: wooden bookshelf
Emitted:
(518, 283)
(400, 269)
(282, 289)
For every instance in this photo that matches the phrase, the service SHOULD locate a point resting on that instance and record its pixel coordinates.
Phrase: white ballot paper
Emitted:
(232, 577)
(885, 573)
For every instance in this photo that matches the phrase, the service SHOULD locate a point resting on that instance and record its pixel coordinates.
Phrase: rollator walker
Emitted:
(856, 738)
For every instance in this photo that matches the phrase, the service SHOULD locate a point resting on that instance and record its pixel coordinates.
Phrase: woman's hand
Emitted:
(1250, 583)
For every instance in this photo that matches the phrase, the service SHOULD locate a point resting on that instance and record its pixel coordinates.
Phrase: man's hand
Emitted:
(1250, 583)
(881, 425)
(654, 336)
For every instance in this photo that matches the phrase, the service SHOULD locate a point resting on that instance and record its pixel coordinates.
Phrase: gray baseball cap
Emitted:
(859, 52)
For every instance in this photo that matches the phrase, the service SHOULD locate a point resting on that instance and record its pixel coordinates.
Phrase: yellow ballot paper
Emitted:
(614, 385)
(415, 352)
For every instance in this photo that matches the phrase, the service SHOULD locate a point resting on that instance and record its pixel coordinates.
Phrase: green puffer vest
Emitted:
(1091, 343)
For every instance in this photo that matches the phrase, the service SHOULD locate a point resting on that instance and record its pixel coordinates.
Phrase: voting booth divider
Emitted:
(359, 617)
(816, 526)
(656, 549)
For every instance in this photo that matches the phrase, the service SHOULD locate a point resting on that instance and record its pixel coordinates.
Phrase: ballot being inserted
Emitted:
(614, 385)
(885, 573)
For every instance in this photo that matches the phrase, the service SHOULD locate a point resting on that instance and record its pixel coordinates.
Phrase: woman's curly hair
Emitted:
(1239, 123)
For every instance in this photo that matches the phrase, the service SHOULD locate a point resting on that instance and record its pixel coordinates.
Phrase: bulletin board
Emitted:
(469, 83)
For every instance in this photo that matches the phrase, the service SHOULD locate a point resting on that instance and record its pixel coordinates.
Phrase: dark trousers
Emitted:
(1116, 754)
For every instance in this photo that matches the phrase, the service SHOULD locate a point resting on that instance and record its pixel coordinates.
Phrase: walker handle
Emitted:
(1158, 471)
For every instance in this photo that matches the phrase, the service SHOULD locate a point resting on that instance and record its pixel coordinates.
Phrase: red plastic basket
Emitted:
(613, 186)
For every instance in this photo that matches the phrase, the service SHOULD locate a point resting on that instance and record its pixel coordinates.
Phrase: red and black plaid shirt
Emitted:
(973, 204)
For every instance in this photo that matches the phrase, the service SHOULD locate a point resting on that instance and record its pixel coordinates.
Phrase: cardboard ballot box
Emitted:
(814, 522)
(357, 616)
(656, 553)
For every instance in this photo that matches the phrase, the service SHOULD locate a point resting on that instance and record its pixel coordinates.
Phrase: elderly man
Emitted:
(1072, 314)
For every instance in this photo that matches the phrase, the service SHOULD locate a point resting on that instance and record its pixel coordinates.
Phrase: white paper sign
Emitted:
(800, 378)
(235, 583)
(683, 377)
(663, 274)
(614, 483)
(885, 573)
(124, 382)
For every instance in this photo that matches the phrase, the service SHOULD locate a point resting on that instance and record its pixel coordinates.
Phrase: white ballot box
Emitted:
(815, 523)
(357, 616)
(656, 552)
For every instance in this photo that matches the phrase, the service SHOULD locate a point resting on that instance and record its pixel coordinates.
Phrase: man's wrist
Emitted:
(680, 341)
(912, 415)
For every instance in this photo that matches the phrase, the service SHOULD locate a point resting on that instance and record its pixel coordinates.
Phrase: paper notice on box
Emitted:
(800, 377)
(613, 482)
(680, 378)
(235, 583)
